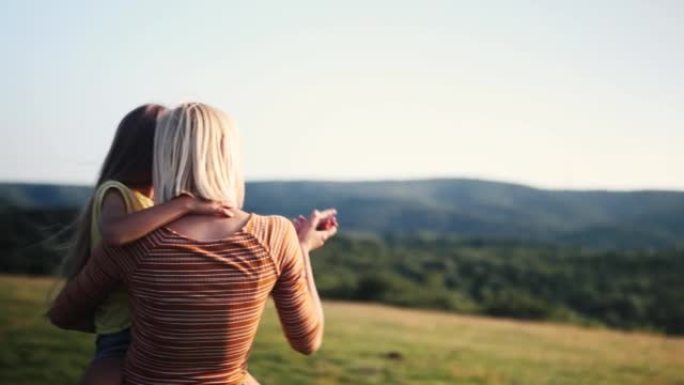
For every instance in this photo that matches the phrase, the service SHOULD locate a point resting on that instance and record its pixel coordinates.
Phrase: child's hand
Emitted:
(204, 207)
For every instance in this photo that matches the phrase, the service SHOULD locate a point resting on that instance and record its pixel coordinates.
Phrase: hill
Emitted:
(464, 207)
(372, 344)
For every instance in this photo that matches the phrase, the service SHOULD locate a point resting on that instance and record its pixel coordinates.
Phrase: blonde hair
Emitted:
(197, 152)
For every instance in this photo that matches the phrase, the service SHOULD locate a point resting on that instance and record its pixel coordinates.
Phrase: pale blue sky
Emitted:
(561, 94)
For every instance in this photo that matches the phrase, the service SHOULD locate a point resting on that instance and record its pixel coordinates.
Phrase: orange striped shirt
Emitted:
(195, 305)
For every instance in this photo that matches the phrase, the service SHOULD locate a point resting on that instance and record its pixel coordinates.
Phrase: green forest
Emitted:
(627, 289)
(635, 289)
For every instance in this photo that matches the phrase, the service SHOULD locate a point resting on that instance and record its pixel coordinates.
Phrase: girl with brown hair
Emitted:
(121, 211)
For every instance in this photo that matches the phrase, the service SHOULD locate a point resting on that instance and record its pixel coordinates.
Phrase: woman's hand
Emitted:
(204, 207)
(315, 230)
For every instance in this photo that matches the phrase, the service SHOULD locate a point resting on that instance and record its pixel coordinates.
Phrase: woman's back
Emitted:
(196, 304)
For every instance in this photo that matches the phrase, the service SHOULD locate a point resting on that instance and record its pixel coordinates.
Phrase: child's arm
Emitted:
(119, 227)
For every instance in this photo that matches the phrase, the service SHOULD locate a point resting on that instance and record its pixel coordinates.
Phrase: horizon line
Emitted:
(397, 180)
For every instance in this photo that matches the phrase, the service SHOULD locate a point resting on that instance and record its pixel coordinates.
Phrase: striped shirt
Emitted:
(196, 305)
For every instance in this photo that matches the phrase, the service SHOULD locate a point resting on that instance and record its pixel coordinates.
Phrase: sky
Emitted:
(554, 94)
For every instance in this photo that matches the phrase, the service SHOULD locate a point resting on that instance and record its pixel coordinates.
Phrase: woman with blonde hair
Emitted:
(120, 211)
(198, 286)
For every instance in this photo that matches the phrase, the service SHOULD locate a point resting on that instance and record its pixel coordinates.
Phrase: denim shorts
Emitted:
(113, 344)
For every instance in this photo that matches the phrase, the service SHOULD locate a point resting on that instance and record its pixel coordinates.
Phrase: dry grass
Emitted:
(371, 344)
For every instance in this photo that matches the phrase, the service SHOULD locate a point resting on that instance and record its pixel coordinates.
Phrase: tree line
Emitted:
(630, 289)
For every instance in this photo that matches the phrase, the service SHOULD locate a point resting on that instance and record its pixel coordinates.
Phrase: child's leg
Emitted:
(104, 371)
(107, 367)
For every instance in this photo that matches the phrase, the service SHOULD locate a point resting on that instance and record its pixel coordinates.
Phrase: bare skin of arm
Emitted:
(119, 227)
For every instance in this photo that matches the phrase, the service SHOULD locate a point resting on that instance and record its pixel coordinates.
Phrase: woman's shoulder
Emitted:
(272, 229)
(276, 234)
(272, 223)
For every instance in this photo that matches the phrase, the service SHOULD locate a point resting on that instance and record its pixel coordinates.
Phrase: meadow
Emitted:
(373, 344)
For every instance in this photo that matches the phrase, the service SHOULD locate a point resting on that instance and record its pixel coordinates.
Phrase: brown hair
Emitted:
(128, 161)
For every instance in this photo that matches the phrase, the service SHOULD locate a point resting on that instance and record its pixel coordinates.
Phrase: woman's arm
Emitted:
(295, 294)
(119, 227)
(312, 237)
(75, 305)
(316, 300)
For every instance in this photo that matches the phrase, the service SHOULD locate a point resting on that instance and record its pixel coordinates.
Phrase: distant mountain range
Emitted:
(462, 207)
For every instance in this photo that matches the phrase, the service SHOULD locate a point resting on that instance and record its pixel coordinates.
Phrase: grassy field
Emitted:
(370, 344)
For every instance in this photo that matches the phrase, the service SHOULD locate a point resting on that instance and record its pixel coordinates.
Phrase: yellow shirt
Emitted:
(113, 315)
